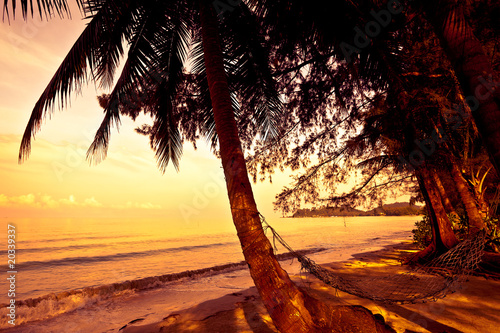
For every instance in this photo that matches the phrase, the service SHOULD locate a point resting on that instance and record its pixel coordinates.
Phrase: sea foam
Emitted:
(54, 304)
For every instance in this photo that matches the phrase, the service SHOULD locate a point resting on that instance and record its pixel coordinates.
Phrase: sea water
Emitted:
(71, 263)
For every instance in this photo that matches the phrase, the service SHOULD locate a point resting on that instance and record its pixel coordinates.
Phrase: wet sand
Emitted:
(473, 308)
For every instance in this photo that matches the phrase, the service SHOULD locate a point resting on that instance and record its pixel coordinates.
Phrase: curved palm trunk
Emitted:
(435, 238)
(279, 294)
(445, 200)
(446, 237)
(290, 308)
(281, 297)
(476, 222)
(474, 69)
(443, 237)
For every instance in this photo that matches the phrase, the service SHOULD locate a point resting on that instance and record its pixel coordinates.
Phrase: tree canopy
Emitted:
(399, 94)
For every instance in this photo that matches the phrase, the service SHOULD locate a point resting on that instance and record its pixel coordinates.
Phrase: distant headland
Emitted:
(394, 209)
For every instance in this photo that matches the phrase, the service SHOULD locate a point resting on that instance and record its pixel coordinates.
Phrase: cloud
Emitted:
(45, 201)
(48, 202)
(148, 205)
(3, 200)
(70, 201)
(145, 205)
(92, 202)
(28, 200)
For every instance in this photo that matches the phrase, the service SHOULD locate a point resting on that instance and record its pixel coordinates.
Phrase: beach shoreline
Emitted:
(230, 303)
(473, 308)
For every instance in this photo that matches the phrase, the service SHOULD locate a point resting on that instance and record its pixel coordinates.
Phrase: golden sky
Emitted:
(57, 180)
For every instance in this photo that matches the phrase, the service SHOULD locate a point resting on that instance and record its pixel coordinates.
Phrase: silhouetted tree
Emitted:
(479, 80)
(158, 35)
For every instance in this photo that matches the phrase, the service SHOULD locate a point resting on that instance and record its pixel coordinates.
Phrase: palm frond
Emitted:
(167, 74)
(46, 8)
(119, 23)
(151, 74)
(130, 79)
(249, 72)
(204, 102)
(166, 138)
(73, 72)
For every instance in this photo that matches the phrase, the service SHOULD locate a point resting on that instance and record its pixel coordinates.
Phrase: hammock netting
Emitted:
(434, 280)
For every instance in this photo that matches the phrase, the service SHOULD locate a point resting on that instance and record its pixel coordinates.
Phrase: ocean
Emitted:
(71, 264)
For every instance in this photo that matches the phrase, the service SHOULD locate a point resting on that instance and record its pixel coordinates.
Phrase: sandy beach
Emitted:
(229, 302)
(161, 159)
(473, 308)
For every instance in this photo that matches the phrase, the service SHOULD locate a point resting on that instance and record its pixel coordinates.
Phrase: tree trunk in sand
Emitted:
(290, 308)
(443, 237)
(476, 221)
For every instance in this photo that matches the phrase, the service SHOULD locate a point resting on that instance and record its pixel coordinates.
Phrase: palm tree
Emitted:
(287, 308)
(473, 67)
(445, 200)
(475, 219)
(443, 237)
(388, 62)
(158, 35)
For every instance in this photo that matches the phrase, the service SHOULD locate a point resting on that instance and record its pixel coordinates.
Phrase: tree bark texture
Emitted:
(289, 307)
(445, 200)
(281, 297)
(466, 194)
(443, 234)
(473, 68)
(476, 222)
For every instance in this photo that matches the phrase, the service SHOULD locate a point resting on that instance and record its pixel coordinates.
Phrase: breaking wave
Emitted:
(110, 257)
(53, 304)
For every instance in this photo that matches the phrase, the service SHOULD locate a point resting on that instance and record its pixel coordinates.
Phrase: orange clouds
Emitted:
(45, 201)
(145, 205)
(31, 200)
(57, 180)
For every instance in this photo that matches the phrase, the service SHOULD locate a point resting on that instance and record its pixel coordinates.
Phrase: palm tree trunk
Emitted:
(289, 307)
(445, 200)
(282, 298)
(443, 237)
(476, 222)
(435, 237)
(473, 68)
(446, 235)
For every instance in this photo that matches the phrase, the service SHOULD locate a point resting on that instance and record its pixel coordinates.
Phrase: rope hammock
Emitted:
(429, 282)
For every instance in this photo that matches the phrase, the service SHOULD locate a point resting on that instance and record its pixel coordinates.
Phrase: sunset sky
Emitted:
(57, 180)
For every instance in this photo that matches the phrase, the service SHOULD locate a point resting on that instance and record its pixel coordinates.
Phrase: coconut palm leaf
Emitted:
(255, 100)
(249, 73)
(46, 8)
(131, 77)
(116, 28)
(146, 26)
(204, 102)
(75, 70)
(154, 65)
(166, 139)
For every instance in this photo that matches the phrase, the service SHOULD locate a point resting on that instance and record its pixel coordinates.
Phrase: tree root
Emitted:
(422, 256)
(345, 318)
